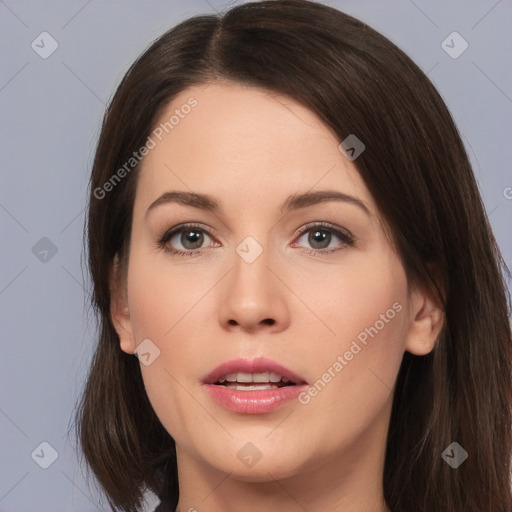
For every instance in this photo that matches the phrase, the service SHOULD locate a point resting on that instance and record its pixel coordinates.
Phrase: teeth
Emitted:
(253, 377)
(260, 377)
(254, 387)
(275, 377)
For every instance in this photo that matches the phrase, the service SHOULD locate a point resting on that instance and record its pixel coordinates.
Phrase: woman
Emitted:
(301, 302)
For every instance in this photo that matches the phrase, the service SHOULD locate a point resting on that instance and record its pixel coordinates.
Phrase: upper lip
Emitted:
(259, 365)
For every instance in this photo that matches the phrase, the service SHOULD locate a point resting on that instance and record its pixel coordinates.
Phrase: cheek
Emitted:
(358, 355)
(362, 299)
(159, 295)
(164, 306)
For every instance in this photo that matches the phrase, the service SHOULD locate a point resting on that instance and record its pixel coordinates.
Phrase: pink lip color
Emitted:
(252, 402)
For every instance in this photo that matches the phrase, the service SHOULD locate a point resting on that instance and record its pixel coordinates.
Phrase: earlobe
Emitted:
(119, 311)
(425, 325)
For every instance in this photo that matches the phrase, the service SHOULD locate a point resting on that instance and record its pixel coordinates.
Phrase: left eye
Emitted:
(320, 237)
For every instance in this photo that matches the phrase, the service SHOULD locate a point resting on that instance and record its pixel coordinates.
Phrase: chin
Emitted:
(248, 465)
(260, 472)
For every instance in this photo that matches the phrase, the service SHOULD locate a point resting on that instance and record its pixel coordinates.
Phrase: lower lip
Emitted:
(253, 402)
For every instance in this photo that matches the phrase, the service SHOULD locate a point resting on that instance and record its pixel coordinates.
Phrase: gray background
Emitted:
(51, 113)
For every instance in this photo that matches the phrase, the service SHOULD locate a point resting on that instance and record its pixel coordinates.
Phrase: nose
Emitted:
(252, 298)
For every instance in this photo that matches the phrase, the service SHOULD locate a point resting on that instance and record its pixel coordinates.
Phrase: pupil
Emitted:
(319, 237)
(194, 238)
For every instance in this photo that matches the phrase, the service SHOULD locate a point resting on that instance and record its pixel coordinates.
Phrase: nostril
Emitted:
(268, 321)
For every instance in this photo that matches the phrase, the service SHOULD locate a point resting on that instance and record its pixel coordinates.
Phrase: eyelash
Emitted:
(346, 238)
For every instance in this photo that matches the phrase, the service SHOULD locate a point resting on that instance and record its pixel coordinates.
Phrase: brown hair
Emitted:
(417, 170)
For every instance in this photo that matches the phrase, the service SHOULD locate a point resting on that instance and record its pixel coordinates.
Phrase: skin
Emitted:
(250, 150)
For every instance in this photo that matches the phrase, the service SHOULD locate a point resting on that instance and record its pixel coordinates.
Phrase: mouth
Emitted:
(250, 375)
(242, 381)
(257, 386)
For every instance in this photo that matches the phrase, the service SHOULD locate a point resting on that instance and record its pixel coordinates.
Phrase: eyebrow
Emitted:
(293, 202)
(297, 201)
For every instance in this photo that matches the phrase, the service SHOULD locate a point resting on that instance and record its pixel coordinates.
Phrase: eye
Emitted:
(184, 240)
(189, 239)
(324, 238)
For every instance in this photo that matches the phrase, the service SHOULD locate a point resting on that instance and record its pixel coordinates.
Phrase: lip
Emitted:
(259, 365)
(252, 402)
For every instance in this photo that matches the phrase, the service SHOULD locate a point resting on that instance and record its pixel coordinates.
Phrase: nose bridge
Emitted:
(251, 295)
(251, 260)
(250, 250)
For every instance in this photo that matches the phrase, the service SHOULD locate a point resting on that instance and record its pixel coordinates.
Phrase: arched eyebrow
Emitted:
(297, 201)
(293, 202)
(200, 201)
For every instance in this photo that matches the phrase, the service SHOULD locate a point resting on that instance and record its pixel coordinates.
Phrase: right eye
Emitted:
(191, 237)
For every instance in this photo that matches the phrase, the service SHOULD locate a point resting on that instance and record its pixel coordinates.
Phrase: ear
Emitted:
(119, 310)
(425, 324)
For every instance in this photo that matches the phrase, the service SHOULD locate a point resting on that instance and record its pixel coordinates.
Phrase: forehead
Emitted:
(244, 142)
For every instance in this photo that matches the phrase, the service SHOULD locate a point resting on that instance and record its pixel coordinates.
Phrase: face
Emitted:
(292, 265)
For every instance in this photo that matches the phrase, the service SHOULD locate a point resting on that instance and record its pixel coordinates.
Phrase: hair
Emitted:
(417, 170)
